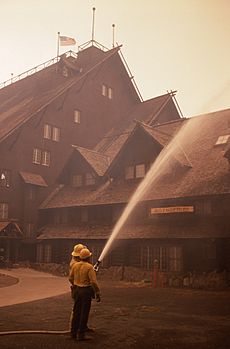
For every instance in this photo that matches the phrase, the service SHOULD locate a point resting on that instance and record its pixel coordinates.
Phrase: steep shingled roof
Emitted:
(209, 174)
(147, 112)
(31, 95)
(97, 161)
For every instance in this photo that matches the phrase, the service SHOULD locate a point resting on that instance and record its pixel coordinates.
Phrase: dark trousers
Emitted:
(82, 303)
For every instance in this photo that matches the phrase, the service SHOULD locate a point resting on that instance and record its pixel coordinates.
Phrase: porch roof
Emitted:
(155, 231)
(33, 178)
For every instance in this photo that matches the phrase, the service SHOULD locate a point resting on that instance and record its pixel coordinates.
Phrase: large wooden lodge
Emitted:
(76, 140)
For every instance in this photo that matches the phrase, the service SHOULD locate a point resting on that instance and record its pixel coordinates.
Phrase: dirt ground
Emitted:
(129, 316)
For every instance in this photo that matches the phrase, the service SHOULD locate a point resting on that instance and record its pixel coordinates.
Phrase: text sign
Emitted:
(172, 209)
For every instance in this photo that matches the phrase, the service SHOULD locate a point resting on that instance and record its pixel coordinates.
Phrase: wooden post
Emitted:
(155, 273)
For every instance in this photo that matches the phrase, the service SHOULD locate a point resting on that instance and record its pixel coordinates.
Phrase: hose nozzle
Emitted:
(96, 265)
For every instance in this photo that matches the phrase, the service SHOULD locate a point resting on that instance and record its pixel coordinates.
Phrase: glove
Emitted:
(98, 298)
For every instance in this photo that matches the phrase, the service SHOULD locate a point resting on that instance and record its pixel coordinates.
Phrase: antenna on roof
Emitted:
(93, 24)
(113, 26)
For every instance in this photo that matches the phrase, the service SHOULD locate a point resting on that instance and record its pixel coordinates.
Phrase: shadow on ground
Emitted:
(128, 317)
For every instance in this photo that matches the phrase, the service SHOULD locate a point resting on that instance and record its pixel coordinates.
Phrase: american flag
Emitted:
(66, 41)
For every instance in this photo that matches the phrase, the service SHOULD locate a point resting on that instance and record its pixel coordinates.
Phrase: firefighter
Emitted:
(76, 254)
(83, 277)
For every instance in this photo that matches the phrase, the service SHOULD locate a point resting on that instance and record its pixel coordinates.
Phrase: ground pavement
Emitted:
(32, 285)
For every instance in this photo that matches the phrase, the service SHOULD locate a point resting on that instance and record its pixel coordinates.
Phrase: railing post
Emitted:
(155, 273)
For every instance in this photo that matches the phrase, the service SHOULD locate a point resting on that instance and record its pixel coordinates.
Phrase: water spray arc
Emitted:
(156, 170)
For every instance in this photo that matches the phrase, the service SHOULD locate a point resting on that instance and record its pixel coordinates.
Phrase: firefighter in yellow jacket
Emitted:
(83, 278)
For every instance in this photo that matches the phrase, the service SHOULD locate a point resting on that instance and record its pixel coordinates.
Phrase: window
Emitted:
(56, 134)
(77, 180)
(129, 172)
(137, 171)
(46, 158)
(107, 91)
(4, 178)
(30, 192)
(39, 253)
(169, 257)
(89, 179)
(41, 157)
(4, 207)
(37, 156)
(222, 139)
(52, 132)
(110, 93)
(77, 116)
(47, 253)
(140, 171)
(104, 90)
(47, 131)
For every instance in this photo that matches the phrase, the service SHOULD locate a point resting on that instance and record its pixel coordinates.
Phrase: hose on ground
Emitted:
(33, 332)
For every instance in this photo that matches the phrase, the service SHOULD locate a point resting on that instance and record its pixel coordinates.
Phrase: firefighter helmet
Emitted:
(85, 253)
(77, 249)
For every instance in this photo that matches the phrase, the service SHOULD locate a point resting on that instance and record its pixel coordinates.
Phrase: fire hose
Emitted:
(33, 332)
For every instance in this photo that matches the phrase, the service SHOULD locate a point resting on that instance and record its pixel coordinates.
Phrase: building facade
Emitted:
(75, 101)
(179, 171)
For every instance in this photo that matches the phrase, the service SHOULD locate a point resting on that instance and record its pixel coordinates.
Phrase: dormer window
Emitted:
(129, 172)
(140, 171)
(77, 180)
(77, 116)
(89, 179)
(135, 171)
(222, 139)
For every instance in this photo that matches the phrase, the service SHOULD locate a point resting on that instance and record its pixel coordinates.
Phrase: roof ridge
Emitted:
(91, 150)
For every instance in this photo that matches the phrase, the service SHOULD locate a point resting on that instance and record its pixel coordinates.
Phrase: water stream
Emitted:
(159, 167)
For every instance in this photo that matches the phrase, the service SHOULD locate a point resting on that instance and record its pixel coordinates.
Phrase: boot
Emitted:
(82, 337)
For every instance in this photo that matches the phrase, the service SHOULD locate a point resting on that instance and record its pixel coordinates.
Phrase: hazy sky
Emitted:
(181, 45)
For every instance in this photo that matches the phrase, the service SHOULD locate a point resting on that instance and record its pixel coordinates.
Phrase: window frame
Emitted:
(77, 180)
(142, 170)
(110, 93)
(90, 179)
(128, 170)
(104, 90)
(4, 210)
(223, 139)
(77, 116)
(37, 156)
(45, 161)
(47, 131)
(56, 134)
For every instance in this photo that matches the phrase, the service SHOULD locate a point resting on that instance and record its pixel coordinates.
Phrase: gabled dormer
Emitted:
(84, 168)
(141, 149)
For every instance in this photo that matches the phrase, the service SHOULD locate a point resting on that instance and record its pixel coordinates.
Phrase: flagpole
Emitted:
(58, 43)
(113, 26)
(93, 24)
